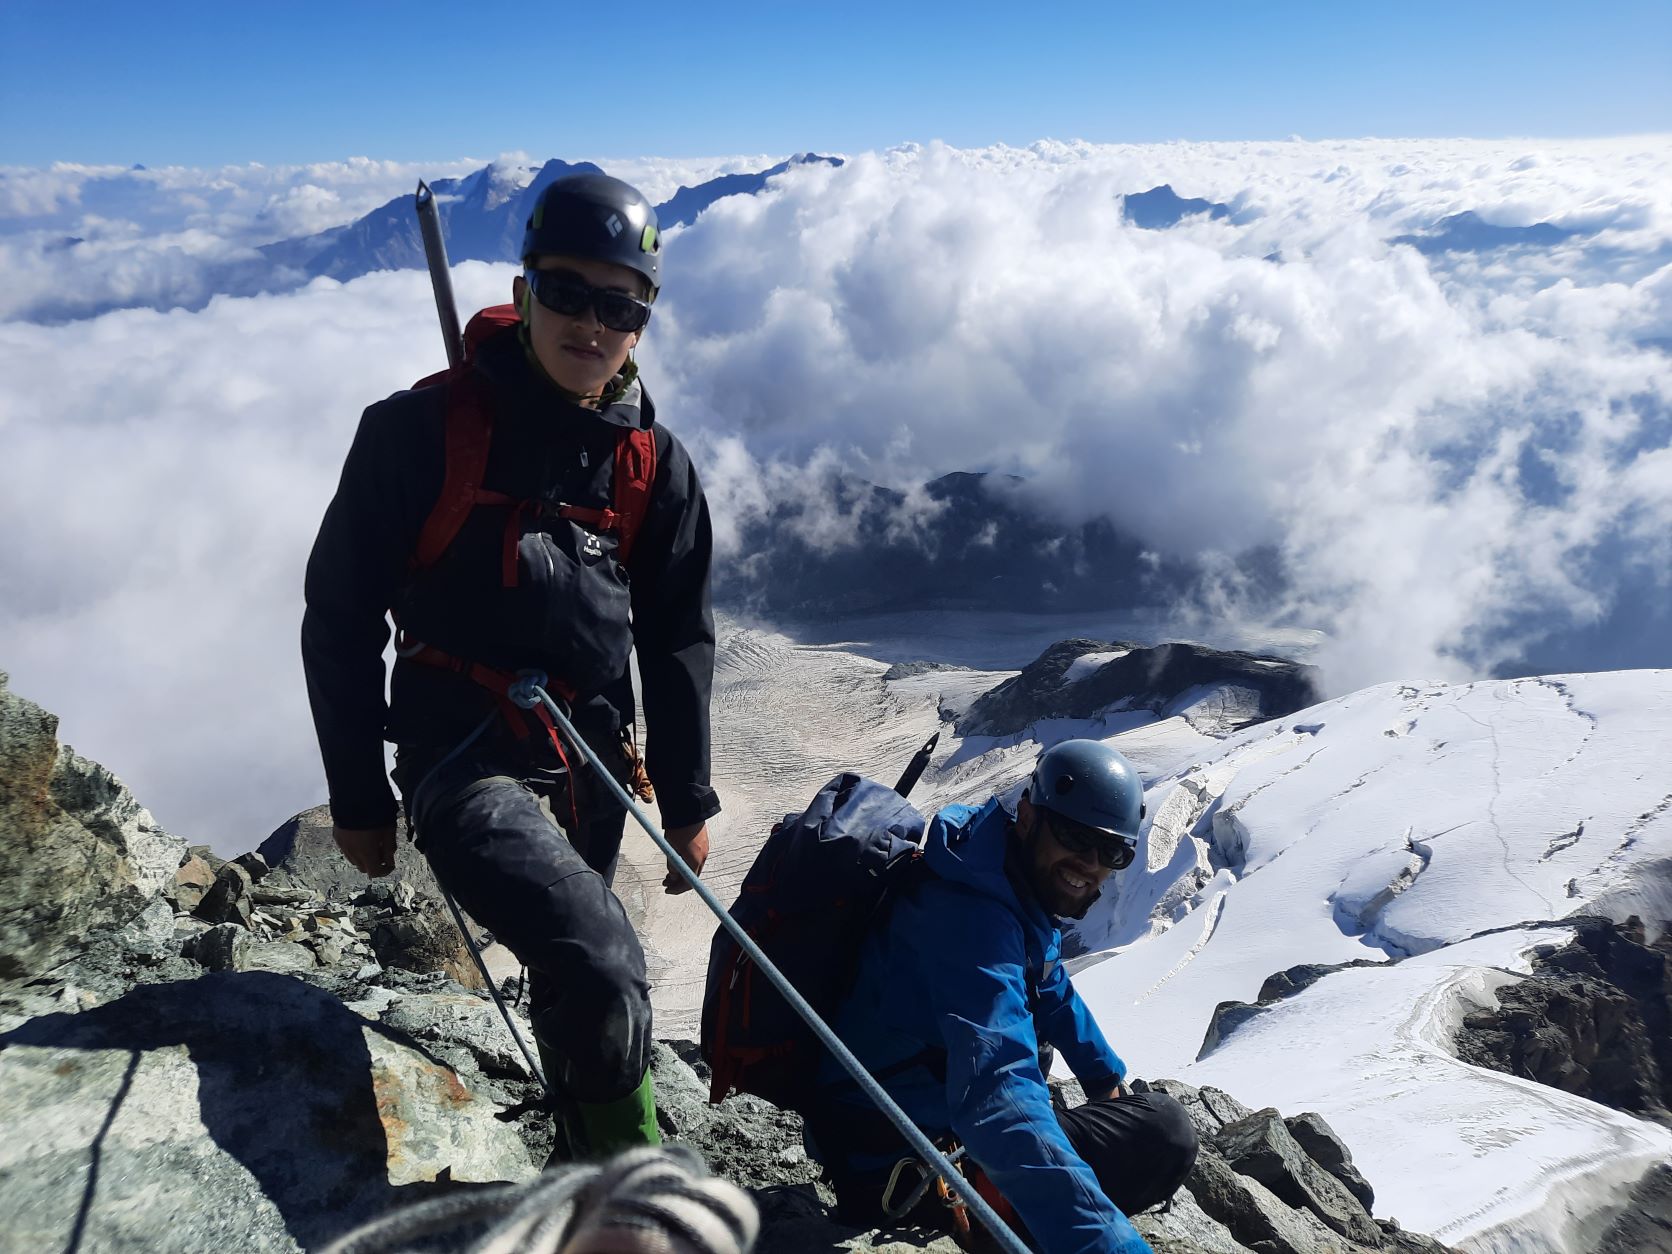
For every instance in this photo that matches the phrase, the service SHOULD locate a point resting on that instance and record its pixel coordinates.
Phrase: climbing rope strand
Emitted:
(458, 915)
(487, 978)
(529, 692)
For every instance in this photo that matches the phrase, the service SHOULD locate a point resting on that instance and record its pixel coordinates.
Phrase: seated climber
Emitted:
(959, 990)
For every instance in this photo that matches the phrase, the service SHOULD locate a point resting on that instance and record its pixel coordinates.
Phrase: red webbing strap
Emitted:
(499, 683)
(469, 436)
(597, 519)
(635, 473)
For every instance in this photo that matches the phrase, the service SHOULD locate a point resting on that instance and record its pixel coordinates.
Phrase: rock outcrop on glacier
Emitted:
(1082, 679)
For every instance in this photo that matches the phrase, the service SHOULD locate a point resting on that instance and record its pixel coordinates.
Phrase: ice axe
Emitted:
(915, 768)
(441, 278)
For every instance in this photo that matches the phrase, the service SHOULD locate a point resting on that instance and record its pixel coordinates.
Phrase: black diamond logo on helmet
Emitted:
(613, 225)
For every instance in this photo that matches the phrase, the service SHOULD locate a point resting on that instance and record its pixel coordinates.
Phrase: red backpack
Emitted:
(469, 435)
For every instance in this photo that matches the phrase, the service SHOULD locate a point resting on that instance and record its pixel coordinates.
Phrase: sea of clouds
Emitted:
(1454, 454)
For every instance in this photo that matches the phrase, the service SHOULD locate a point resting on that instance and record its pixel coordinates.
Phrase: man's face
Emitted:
(1065, 882)
(579, 352)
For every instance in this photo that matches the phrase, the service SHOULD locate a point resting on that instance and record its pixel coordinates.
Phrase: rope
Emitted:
(528, 692)
(458, 915)
(658, 1192)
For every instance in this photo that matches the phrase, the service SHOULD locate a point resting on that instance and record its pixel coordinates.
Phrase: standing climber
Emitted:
(527, 514)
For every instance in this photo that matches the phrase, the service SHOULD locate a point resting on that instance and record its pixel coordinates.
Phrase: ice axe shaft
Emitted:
(441, 278)
(915, 768)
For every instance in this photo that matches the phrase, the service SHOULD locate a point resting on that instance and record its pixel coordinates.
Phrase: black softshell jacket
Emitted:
(544, 448)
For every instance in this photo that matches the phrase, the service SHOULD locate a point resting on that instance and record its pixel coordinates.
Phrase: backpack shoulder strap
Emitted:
(469, 436)
(635, 474)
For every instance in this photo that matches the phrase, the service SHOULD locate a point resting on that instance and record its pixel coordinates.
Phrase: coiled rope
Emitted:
(664, 1195)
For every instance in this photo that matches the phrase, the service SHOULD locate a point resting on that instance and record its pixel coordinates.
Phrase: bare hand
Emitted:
(370, 849)
(691, 843)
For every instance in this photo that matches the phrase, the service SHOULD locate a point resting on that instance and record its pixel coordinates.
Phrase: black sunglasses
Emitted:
(1114, 852)
(567, 294)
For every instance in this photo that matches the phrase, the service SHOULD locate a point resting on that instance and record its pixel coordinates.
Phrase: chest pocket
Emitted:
(572, 602)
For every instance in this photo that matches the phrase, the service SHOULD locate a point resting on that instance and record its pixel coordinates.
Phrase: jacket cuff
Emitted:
(697, 804)
(365, 812)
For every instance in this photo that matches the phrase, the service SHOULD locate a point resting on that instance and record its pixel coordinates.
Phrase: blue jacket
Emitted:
(966, 964)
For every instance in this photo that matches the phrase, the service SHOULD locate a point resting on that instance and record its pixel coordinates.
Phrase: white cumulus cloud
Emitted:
(1444, 450)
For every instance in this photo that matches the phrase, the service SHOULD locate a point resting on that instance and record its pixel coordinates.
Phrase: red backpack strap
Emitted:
(469, 436)
(635, 473)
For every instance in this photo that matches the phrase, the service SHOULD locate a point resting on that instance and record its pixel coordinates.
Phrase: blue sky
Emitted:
(209, 83)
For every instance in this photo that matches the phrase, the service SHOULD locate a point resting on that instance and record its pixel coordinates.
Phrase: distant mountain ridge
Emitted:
(482, 217)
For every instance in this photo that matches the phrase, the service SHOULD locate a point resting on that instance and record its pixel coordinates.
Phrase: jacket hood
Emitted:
(971, 846)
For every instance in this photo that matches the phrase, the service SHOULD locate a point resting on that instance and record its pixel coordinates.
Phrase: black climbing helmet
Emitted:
(1090, 784)
(599, 218)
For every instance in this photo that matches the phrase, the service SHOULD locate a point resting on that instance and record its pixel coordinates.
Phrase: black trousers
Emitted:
(500, 836)
(1140, 1146)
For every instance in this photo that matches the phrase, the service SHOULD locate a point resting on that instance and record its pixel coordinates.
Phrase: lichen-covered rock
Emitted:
(237, 1111)
(77, 852)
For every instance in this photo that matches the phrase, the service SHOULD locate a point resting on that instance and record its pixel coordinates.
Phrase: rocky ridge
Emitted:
(1214, 689)
(204, 1054)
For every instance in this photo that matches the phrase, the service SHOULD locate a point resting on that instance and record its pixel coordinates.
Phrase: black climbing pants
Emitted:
(501, 837)
(1140, 1146)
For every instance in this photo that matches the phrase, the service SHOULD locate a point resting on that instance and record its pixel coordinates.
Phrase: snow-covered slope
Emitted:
(1401, 820)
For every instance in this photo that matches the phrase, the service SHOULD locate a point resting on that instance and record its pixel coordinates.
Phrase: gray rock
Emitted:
(1222, 1106)
(1330, 1152)
(232, 1112)
(262, 895)
(281, 958)
(77, 852)
(1257, 1218)
(463, 1021)
(223, 947)
(228, 898)
(149, 937)
(1189, 1096)
(1185, 1228)
(192, 883)
(426, 938)
(745, 1139)
(304, 849)
(1262, 1148)
(255, 865)
(1594, 1018)
(215, 861)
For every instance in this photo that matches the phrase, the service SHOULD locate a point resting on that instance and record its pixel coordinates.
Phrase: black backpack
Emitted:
(815, 889)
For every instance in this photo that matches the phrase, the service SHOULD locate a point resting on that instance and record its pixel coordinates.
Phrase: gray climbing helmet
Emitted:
(597, 217)
(1089, 783)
